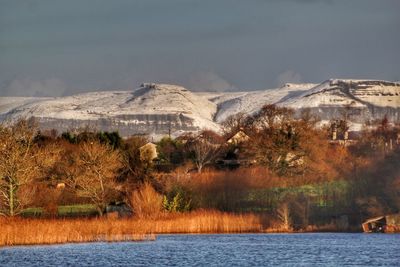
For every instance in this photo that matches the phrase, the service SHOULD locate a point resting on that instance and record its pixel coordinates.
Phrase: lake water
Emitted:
(322, 249)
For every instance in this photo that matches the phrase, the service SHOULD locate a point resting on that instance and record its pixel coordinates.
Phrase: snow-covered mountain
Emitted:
(159, 109)
(251, 102)
(360, 100)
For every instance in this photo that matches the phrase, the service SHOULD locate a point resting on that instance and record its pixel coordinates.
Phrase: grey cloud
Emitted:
(313, 1)
(209, 81)
(31, 87)
(220, 45)
(288, 76)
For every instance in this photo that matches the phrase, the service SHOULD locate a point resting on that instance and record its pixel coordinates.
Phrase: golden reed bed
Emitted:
(19, 231)
(58, 231)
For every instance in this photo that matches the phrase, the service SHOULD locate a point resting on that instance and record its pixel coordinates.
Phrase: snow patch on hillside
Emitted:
(352, 93)
(151, 99)
(251, 102)
(158, 106)
(9, 103)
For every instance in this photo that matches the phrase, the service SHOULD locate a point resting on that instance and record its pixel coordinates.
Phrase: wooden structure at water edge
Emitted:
(383, 224)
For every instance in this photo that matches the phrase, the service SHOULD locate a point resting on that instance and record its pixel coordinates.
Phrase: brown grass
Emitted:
(56, 231)
(393, 229)
(204, 222)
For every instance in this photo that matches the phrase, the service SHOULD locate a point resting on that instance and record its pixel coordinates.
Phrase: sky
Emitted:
(57, 47)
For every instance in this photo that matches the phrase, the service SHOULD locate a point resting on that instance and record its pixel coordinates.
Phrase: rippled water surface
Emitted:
(218, 250)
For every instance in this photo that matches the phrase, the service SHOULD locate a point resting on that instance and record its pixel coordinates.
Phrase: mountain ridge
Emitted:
(158, 109)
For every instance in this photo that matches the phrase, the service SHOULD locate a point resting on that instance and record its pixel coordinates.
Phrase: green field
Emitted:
(64, 211)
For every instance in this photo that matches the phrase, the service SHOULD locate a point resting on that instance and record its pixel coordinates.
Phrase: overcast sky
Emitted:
(58, 47)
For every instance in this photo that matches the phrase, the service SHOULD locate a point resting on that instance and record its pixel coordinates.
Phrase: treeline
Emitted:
(275, 162)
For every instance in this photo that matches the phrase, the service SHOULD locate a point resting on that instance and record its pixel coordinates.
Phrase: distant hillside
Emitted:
(159, 109)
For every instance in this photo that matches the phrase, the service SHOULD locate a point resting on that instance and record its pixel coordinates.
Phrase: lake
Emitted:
(316, 249)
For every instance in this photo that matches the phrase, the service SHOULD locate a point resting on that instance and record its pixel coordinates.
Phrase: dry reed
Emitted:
(55, 231)
(204, 222)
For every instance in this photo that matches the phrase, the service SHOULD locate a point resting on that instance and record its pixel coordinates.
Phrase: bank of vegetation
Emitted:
(31, 231)
(272, 171)
(19, 231)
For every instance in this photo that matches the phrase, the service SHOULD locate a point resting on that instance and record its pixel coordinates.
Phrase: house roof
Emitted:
(148, 144)
(374, 219)
(237, 136)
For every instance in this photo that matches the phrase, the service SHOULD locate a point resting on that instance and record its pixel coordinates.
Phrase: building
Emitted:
(238, 138)
(382, 224)
(148, 152)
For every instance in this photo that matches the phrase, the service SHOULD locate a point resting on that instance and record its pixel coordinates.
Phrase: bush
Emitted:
(146, 202)
(177, 201)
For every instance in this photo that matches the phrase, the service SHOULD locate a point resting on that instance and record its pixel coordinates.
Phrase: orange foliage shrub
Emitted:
(146, 202)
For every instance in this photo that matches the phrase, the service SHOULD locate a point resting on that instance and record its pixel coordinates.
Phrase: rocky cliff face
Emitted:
(160, 109)
(143, 124)
(153, 109)
(361, 100)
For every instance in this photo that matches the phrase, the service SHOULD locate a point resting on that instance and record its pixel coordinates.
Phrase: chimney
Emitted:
(334, 132)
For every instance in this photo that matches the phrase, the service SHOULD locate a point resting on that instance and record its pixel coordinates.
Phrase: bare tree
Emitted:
(21, 162)
(273, 137)
(272, 117)
(205, 148)
(92, 172)
(287, 145)
(234, 123)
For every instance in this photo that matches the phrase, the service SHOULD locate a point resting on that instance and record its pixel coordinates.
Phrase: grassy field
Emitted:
(64, 211)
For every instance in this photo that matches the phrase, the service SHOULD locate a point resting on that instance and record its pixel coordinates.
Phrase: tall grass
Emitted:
(146, 202)
(19, 231)
(204, 222)
(55, 231)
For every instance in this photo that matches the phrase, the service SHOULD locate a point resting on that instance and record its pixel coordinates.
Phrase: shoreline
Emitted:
(41, 231)
(153, 237)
